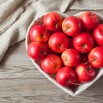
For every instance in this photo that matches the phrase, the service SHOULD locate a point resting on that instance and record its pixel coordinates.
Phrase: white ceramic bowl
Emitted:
(68, 90)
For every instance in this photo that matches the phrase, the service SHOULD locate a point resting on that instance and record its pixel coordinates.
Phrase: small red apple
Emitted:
(85, 72)
(71, 26)
(89, 20)
(51, 64)
(95, 57)
(36, 50)
(58, 42)
(71, 57)
(66, 76)
(98, 34)
(39, 33)
(83, 42)
(52, 21)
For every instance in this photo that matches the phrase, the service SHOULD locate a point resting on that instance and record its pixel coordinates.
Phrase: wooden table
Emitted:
(21, 82)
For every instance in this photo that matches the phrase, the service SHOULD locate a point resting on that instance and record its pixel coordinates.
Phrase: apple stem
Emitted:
(74, 83)
(91, 15)
(67, 28)
(93, 60)
(83, 48)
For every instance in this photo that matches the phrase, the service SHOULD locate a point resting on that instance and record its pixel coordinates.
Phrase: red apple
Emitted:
(39, 33)
(98, 34)
(95, 57)
(58, 42)
(71, 26)
(66, 76)
(89, 20)
(51, 64)
(52, 21)
(71, 57)
(83, 42)
(85, 72)
(36, 50)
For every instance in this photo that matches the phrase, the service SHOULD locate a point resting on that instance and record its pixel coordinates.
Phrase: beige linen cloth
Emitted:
(16, 16)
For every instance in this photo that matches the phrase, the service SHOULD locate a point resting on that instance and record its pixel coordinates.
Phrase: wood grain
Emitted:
(21, 82)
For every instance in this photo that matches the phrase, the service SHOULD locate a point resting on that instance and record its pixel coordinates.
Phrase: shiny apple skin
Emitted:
(85, 72)
(83, 42)
(51, 64)
(66, 76)
(53, 21)
(36, 50)
(71, 57)
(98, 34)
(58, 42)
(39, 33)
(71, 26)
(95, 57)
(89, 20)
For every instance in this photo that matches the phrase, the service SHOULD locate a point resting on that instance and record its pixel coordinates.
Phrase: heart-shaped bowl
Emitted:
(76, 90)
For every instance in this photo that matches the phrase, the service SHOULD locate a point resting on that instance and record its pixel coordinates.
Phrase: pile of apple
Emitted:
(71, 47)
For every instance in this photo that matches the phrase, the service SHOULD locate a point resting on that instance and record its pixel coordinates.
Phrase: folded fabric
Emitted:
(87, 5)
